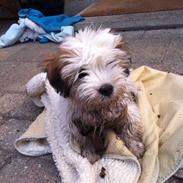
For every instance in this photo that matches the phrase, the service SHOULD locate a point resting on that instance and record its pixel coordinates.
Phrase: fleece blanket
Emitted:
(161, 106)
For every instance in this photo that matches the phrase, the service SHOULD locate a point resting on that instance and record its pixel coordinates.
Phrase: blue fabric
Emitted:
(49, 23)
(30, 35)
(57, 27)
(57, 37)
(43, 39)
(12, 35)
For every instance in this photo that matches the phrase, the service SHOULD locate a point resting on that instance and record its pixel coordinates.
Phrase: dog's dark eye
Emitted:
(82, 75)
(127, 72)
(111, 62)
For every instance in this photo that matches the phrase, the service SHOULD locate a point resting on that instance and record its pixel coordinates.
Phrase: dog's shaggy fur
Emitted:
(91, 70)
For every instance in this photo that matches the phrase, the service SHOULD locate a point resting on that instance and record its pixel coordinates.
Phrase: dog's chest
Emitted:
(88, 121)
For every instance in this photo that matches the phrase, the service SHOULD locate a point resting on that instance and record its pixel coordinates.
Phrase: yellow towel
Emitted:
(161, 105)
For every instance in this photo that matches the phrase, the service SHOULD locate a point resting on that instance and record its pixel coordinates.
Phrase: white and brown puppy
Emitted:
(91, 71)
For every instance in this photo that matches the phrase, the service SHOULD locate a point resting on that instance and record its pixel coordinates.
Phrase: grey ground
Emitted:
(160, 49)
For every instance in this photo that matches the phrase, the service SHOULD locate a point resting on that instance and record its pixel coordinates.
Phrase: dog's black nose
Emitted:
(106, 90)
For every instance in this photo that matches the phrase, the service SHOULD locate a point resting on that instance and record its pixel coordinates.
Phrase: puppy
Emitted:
(91, 70)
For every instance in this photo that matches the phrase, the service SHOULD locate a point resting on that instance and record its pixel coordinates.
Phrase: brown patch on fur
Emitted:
(94, 124)
(127, 61)
(54, 64)
(107, 115)
(123, 46)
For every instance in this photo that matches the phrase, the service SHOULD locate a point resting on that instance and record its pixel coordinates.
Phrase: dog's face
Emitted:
(90, 68)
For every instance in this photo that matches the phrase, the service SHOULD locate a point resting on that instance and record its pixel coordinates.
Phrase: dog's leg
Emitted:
(85, 141)
(131, 131)
(88, 150)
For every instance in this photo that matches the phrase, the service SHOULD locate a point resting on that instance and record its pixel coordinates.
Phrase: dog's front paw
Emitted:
(91, 156)
(137, 148)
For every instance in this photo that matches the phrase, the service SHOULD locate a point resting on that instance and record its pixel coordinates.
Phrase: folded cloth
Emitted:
(57, 37)
(13, 34)
(33, 24)
(161, 107)
(49, 23)
(33, 35)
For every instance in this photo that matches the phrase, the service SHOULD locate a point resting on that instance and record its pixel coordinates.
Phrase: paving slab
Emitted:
(23, 169)
(18, 106)
(9, 102)
(18, 168)
(14, 75)
(160, 49)
(22, 64)
(31, 52)
(10, 130)
(26, 110)
(5, 157)
(1, 119)
(5, 53)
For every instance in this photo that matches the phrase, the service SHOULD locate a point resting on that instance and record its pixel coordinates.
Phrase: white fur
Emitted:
(96, 48)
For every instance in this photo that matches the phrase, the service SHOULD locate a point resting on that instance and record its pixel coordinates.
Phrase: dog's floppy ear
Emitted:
(123, 46)
(53, 66)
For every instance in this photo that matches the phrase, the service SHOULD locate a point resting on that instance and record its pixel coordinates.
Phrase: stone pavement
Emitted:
(160, 49)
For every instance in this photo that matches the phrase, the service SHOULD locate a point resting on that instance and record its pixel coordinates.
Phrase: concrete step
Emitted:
(137, 21)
